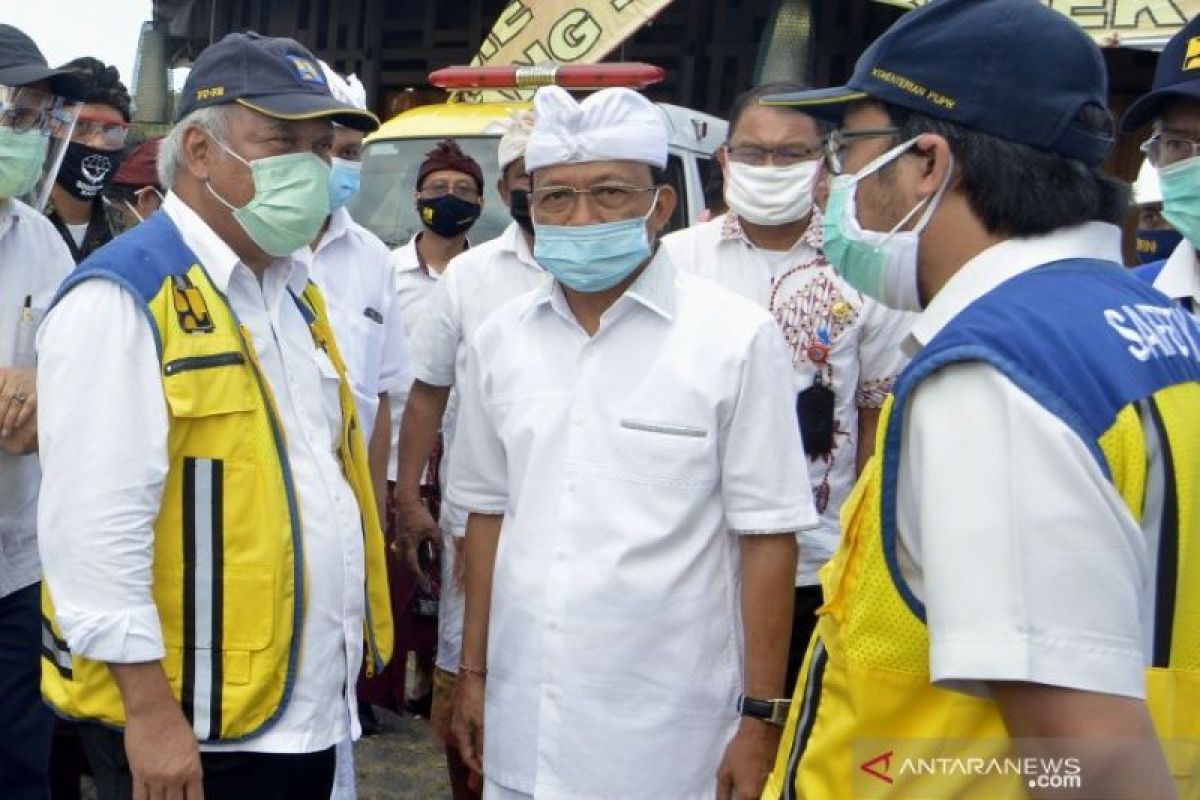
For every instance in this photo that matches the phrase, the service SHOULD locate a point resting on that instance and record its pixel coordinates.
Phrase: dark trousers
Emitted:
(227, 776)
(26, 723)
(804, 622)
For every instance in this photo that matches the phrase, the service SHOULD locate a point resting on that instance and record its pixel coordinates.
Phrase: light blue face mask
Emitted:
(345, 177)
(593, 258)
(1181, 198)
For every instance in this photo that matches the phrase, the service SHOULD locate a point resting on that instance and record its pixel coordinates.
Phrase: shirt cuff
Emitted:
(790, 520)
(433, 377)
(132, 636)
(962, 663)
(477, 503)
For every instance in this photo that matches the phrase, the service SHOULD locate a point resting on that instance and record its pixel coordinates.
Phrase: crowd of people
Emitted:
(890, 458)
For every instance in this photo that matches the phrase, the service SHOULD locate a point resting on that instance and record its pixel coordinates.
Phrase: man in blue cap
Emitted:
(1009, 574)
(1173, 105)
(212, 546)
(33, 260)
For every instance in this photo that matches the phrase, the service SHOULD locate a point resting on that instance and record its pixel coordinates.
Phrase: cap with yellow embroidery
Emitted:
(274, 76)
(1016, 70)
(1176, 77)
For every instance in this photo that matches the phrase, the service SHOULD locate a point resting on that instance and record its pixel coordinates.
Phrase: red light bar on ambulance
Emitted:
(568, 76)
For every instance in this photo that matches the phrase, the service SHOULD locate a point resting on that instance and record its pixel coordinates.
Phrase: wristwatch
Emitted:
(773, 712)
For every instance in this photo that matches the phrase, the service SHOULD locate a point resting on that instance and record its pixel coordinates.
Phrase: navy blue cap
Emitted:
(1176, 76)
(274, 76)
(1016, 70)
(22, 63)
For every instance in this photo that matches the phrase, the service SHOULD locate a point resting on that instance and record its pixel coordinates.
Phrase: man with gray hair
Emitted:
(475, 284)
(213, 549)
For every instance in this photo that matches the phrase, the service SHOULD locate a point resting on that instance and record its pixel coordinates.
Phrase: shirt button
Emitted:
(570, 486)
(577, 420)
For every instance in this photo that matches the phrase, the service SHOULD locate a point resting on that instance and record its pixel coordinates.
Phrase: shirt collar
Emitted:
(731, 230)
(410, 258)
(1180, 276)
(513, 241)
(339, 226)
(655, 289)
(1005, 260)
(217, 257)
(8, 216)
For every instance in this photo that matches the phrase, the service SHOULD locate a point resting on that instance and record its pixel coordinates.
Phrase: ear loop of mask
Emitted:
(930, 207)
(208, 184)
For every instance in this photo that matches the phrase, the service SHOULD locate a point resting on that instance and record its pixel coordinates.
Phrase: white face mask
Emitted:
(769, 195)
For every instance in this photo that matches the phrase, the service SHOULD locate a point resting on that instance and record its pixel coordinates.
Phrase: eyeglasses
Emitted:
(837, 142)
(463, 191)
(784, 156)
(1169, 148)
(106, 134)
(23, 109)
(558, 201)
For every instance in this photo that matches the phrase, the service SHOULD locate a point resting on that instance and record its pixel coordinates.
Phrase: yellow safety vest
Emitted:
(865, 720)
(228, 572)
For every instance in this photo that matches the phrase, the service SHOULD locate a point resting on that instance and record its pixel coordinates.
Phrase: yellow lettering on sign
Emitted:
(513, 20)
(1089, 16)
(1159, 13)
(621, 5)
(573, 35)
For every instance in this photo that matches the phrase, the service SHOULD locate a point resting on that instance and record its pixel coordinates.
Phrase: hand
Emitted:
(414, 524)
(467, 725)
(748, 760)
(18, 399)
(23, 441)
(164, 758)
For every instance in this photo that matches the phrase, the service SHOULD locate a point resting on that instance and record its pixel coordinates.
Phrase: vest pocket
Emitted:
(209, 380)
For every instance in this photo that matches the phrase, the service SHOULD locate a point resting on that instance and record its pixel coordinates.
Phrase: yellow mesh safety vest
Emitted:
(864, 700)
(228, 572)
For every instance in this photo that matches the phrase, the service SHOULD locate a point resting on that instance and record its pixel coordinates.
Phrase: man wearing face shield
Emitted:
(212, 546)
(845, 347)
(1173, 105)
(627, 451)
(474, 285)
(92, 159)
(1010, 574)
(33, 260)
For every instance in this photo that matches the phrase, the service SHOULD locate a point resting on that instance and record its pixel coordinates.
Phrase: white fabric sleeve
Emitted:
(764, 481)
(102, 431)
(438, 333)
(478, 479)
(880, 358)
(1029, 563)
(395, 369)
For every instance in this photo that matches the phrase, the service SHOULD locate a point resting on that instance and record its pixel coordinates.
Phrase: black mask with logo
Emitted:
(448, 216)
(86, 171)
(518, 207)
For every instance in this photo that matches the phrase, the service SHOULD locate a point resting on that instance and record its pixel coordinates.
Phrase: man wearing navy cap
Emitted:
(1008, 578)
(33, 260)
(213, 554)
(1173, 105)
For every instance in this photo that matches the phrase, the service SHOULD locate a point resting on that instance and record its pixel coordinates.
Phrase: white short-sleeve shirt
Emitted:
(33, 261)
(1029, 564)
(351, 265)
(622, 462)
(850, 342)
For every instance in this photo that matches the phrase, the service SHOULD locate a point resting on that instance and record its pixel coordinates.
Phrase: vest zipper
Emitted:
(203, 362)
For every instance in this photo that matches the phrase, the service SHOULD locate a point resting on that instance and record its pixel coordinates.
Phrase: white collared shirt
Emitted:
(622, 463)
(476, 283)
(103, 428)
(1029, 564)
(33, 261)
(851, 342)
(352, 267)
(1180, 275)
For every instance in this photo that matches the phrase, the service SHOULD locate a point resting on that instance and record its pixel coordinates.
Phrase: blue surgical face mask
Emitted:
(344, 179)
(593, 258)
(1154, 245)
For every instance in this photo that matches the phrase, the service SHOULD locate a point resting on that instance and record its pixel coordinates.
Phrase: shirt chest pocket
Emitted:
(666, 451)
(363, 354)
(330, 397)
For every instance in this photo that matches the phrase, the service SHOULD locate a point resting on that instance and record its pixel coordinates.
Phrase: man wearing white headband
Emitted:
(845, 348)
(627, 450)
(474, 285)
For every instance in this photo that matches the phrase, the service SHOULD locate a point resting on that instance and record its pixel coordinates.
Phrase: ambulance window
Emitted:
(674, 176)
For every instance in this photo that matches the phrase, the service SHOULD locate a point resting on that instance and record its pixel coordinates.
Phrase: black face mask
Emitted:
(518, 207)
(86, 171)
(448, 216)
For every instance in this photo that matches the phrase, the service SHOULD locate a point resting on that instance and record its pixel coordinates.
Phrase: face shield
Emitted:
(35, 129)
